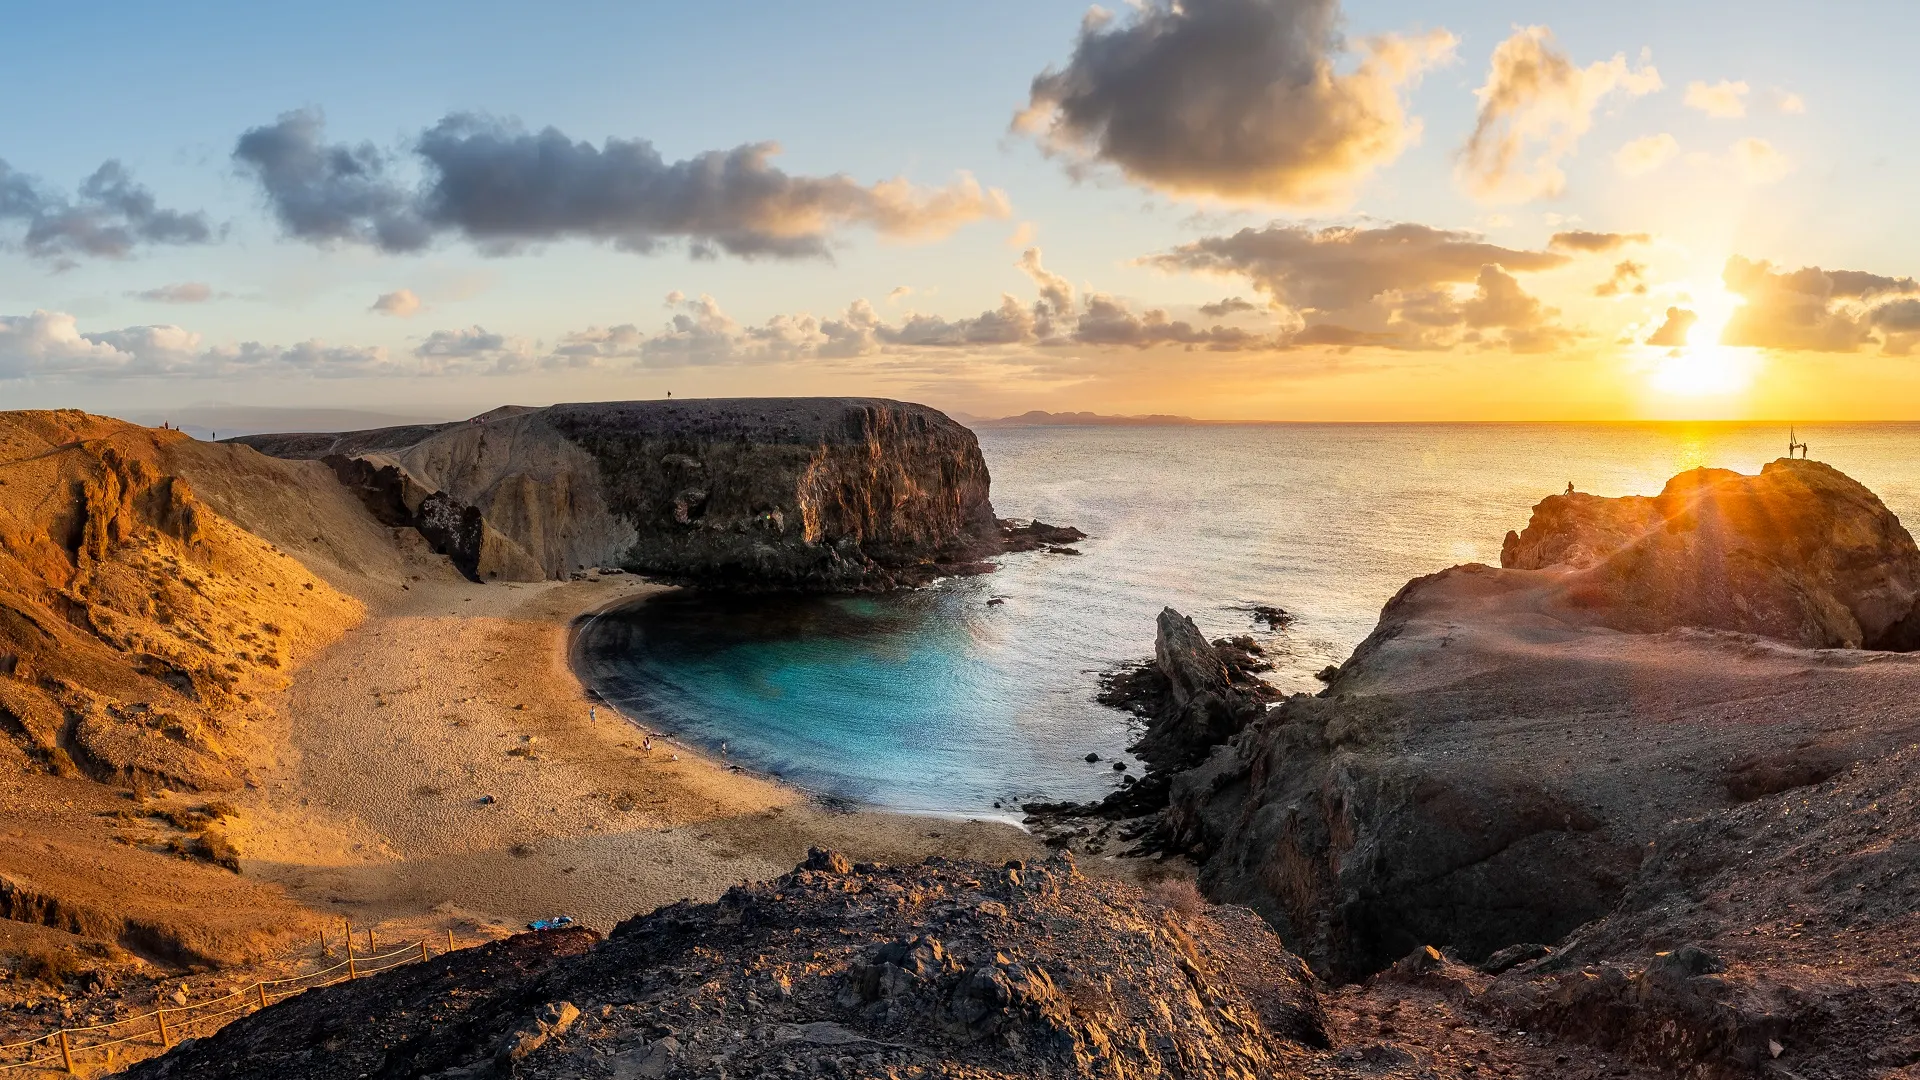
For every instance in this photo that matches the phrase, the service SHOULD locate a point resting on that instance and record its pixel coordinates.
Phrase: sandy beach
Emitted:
(440, 768)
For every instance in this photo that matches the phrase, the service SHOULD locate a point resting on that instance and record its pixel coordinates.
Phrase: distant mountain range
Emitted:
(1037, 418)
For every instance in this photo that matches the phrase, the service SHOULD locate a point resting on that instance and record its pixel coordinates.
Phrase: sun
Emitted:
(1704, 368)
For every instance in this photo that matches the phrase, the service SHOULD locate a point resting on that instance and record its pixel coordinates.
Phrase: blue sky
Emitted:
(927, 92)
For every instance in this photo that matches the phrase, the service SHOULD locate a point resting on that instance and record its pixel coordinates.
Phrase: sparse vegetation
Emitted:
(52, 966)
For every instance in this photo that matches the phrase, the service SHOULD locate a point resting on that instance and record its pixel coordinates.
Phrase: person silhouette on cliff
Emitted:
(1569, 487)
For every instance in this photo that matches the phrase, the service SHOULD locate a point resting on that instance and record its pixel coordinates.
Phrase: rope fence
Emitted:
(58, 1050)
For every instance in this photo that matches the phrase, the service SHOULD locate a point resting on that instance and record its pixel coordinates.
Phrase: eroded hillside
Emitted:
(139, 628)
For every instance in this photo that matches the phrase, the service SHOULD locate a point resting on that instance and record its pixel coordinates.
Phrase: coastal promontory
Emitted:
(791, 493)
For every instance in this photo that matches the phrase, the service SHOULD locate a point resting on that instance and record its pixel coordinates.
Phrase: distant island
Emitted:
(1037, 418)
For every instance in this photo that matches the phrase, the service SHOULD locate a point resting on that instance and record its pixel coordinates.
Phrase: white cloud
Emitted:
(1789, 103)
(50, 344)
(400, 303)
(1644, 155)
(1759, 162)
(1722, 100)
(1534, 107)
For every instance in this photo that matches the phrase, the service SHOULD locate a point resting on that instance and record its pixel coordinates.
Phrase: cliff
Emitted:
(802, 493)
(1644, 733)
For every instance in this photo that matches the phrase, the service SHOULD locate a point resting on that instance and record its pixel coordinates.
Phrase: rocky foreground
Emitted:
(945, 969)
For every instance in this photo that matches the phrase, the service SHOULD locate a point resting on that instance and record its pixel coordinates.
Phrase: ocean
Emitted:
(942, 702)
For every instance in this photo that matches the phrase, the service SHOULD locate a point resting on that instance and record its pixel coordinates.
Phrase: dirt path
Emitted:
(441, 769)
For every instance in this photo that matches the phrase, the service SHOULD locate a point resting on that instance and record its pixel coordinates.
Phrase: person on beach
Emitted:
(646, 745)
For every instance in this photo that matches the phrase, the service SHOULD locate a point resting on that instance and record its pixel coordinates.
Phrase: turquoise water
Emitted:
(937, 700)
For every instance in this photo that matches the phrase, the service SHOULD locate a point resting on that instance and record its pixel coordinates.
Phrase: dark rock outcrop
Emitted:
(945, 969)
(775, 493)
(1194, 695)
(449, 526)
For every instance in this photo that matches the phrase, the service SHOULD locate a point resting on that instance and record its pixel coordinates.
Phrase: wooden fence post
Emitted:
(262, 988)
(66, 1051)
(323, 943)
(449, 939)
(351, 974)
(371, 947)
(165, 1040)
(423, 950)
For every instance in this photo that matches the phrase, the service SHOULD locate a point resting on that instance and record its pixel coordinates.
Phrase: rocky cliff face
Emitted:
(806, 493)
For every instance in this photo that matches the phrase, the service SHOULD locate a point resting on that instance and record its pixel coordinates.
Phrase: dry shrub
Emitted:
(1179, 894)
(54, 967)
(207, 847)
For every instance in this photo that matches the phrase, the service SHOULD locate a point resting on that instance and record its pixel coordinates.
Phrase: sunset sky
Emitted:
(1232, 209)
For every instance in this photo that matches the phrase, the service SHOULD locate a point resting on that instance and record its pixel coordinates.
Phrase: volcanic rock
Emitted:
(944, 969)
(1194, 695)
(1800, 553)
(1640, 736)
(793, 493)
(137, 623)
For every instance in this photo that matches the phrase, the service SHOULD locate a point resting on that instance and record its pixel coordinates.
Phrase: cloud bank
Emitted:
(504, 188)
(1400, 286)
(109, 216)
(50, 344)
(1244, 100)
(1817, 310)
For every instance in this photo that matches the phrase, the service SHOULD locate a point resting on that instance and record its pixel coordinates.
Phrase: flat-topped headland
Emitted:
(818, 494)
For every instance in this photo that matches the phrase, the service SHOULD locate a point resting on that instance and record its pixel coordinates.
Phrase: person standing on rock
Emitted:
(1569, 487)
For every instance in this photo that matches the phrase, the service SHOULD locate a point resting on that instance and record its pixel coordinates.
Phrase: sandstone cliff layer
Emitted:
(803, 493)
